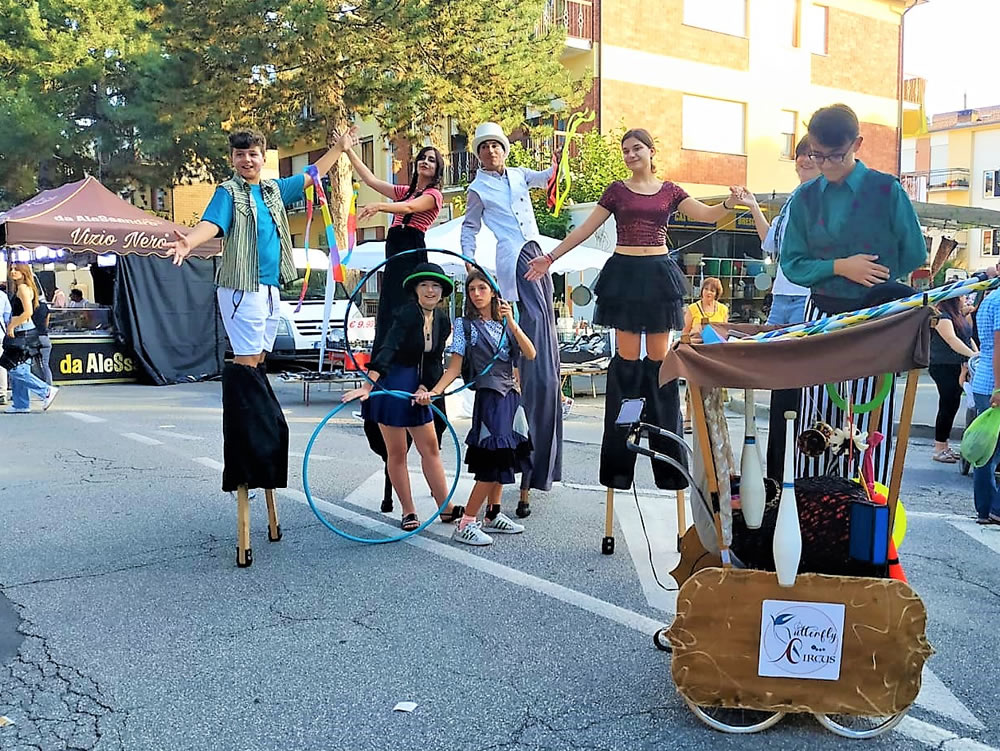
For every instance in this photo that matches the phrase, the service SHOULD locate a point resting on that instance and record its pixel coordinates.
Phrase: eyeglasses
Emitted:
(831, 158)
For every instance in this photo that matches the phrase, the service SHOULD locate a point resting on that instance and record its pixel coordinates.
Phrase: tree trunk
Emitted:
(341, 188)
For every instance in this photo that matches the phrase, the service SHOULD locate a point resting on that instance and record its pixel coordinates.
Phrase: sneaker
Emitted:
(53, 393)
(17, 411)
(3, 399)
(567, 407)
(504, 525)
(472, 534)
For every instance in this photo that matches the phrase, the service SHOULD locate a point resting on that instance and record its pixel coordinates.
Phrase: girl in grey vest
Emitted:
(498, 443)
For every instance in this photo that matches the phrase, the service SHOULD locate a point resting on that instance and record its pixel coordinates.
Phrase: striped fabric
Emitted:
(421, 220)
(816, 405)
(240, 268)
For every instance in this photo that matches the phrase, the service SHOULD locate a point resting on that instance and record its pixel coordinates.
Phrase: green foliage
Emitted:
(598, 164)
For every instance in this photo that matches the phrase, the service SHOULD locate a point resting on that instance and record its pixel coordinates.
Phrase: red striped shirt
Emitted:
(422, 220)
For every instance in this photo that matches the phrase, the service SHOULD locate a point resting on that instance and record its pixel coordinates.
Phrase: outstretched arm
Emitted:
(413, 206)
(702, 212)
(540, 265)
(181, 246)
(368, 177)
(325, 163)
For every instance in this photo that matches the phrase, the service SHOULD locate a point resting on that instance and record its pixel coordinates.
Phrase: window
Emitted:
(991, 184)
(725, 16)
(939, 151)
(713, 125)
(786, 15)
(368, 152)
(989, 243)
(299, 163)
(161, 199)
(788, 123)
(816, 20)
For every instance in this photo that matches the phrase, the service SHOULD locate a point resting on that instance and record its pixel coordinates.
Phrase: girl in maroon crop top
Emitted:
(639, 291)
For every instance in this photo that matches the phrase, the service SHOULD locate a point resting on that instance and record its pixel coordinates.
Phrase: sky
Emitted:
(953, 43)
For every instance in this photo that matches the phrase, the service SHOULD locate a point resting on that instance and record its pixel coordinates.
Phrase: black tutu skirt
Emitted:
(641, 293)
(498, 443)
(386, 409)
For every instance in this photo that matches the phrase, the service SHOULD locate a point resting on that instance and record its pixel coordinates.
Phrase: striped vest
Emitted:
(240, 267)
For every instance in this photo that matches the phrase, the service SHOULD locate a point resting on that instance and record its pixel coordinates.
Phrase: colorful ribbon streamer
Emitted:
(958, 288)
(557, 195)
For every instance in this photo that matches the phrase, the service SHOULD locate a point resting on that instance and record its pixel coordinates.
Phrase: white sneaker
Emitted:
(472, 534)
(16, 411)
(567, 407)
(504, 525)
(53, 393)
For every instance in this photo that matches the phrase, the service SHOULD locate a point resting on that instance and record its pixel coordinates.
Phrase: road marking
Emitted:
(602, 489)
(179, 436)
(206, 461)
(986, 534)
(938, 698)
(84, 417)
(312, 457)
(139, 438)
(661, 527)
(599, 607)
(932, 735)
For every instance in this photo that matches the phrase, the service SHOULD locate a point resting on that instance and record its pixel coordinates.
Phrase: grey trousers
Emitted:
(540, 392)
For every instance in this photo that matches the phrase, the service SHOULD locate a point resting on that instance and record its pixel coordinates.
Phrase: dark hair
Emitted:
(802, 147)
(834, 126)
(471, 311)
(642, 136)
(952, 310)
(438, 171)
(247, 139)
(76, 293)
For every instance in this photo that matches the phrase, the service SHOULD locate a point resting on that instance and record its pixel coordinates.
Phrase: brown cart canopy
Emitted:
(892, 344)
(86, 217)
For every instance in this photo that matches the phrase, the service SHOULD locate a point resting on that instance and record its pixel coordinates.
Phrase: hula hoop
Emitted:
(865, 407)
(489, 278)
(379, 540)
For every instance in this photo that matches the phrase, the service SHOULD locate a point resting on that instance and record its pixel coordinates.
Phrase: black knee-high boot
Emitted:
(663, 409)
(617, 462)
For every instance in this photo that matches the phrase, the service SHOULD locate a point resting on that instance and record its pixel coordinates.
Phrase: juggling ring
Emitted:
(370, 540)
(471, 262)
(865, 407)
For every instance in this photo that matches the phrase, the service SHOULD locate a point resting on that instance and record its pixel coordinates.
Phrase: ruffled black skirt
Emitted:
(641, 293)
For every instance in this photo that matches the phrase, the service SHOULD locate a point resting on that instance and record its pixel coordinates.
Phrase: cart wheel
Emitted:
(738, 721)
(660, 640)
(858, 727)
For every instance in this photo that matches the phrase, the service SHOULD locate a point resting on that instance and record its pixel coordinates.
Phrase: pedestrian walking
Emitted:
(42, 365)
(499, 444)
(22, 343)
(986, 394)
(951, 348)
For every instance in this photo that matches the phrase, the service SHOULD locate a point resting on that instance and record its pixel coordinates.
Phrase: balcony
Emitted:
(460, 168)
(919, 184)
(575, 16)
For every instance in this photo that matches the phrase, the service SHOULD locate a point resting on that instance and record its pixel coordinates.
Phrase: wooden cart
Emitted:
(725, 623)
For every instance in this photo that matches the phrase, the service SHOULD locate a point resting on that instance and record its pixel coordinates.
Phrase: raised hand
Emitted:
(178, 248)
(506, 311)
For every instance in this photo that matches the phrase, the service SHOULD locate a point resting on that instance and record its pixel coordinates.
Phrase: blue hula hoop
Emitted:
(470, 261)
(380, 540)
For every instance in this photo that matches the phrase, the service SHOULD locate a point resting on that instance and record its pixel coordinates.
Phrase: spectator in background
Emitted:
(5, 315)
(59, 299)
(41, 363)
(76, 299)
(986, 392)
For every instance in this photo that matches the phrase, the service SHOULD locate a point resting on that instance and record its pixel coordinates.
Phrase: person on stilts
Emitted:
(249, 213)
(499, 197)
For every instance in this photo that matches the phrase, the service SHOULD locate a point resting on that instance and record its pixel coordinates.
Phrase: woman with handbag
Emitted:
(22, 344)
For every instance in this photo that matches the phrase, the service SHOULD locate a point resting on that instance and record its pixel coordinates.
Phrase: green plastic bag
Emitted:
(980, 438)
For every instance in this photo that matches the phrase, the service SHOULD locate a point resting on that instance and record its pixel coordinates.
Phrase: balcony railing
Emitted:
(576, 16)
(918, 184)
(460, 168)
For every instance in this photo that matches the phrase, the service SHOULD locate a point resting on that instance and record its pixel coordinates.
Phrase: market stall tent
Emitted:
(164, 316)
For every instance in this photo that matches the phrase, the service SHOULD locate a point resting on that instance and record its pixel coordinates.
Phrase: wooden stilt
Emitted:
(608, 543)
(386, 493)
(273, 527)
(901, 440)
(244, 555)
(681, 518)
(700, 425)
(524, 504)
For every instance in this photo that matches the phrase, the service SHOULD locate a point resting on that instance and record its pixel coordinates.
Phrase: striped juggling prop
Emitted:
(958, 288)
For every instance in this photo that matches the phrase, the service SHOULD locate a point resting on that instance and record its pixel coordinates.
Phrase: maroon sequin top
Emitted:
(641, 219)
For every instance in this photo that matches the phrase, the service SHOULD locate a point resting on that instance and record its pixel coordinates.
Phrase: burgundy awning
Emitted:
(86, 217)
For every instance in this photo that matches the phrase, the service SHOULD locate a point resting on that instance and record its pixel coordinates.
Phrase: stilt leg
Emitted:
(244, 555)
(273, 527)
(608, 543)
(387, 493)
(524, 504)
(681, 519)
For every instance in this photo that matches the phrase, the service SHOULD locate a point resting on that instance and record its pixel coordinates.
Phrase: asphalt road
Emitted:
(135, 629)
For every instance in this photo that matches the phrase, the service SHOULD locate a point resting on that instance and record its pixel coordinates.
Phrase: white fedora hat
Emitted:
(489, 132)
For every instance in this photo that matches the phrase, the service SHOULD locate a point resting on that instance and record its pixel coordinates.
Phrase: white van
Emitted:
(299, 333)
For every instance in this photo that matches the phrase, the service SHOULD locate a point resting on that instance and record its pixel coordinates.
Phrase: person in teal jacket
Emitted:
(852, 233)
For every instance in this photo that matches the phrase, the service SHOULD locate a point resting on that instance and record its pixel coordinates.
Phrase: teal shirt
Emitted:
(868, 212)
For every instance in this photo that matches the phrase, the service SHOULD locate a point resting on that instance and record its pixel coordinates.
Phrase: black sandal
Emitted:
(453, 516)
(409, 522)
